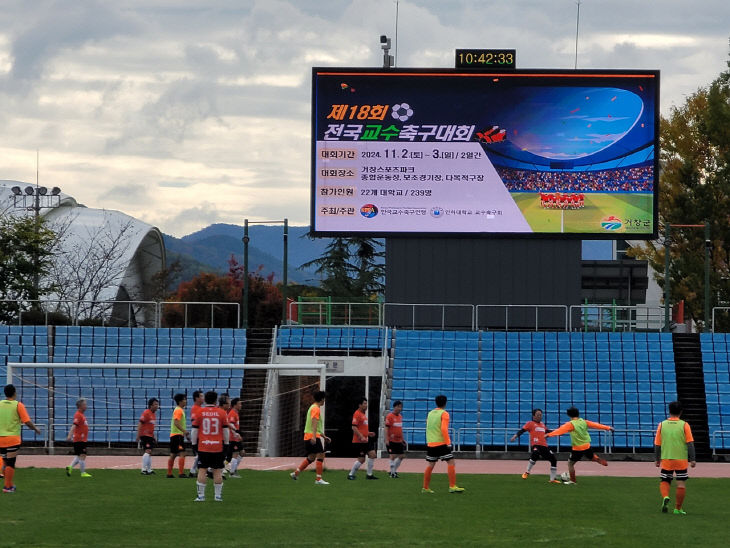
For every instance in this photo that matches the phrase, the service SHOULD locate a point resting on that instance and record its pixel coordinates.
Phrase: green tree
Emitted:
(25, 255)
(694, 188)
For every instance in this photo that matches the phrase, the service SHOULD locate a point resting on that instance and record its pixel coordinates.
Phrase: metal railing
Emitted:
(608, 317)
(119, 313)
(437, 313)
(713, 437)
(560, 314)
(344, 313)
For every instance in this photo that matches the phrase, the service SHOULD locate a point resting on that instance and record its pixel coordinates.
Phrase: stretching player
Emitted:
(394, 437)
(314, 439)
(580, 440)
(194, 410)
(235, 448)
(538, 443)
(146, 434)
(439, 446)
(178, 433)
(211, 434)
(80, 434)
(674, 448)
(362, 440)
(13, 416)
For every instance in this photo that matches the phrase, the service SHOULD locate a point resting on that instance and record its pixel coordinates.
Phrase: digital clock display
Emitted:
(486, 58)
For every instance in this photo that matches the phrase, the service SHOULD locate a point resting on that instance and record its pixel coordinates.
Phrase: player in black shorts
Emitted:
(538, 444)
(363, 441)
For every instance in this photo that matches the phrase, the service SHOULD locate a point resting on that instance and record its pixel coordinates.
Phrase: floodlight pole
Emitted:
(246, 239)
(667, 293)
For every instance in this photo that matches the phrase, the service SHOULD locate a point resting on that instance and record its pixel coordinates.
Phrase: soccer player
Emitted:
(539, 445)
(394, 437)
(235, 448)
(674, 448)
(362, 440)
(80, 434)
(314, 439)
(178, 433)
(194, 410)
(211, 433)
(580, 440)
(13, 416)
(146, 434)
(439, 446)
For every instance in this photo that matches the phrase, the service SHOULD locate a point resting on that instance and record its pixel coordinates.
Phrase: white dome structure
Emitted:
(101, 256)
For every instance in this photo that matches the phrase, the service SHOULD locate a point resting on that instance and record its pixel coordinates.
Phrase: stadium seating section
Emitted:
(118, 396)
(493, 380)
(311, 339)
(716, 369)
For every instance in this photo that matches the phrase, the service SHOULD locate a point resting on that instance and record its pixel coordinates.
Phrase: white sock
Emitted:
(194, 467)
(234, 464)
(371, 463)
(355, 467)
(553, 472)
(75, 462)
(201, 489)
(218, 489)
(147, 462)
(392, 466)
(397, 463)
(82, 465)
(530, 464)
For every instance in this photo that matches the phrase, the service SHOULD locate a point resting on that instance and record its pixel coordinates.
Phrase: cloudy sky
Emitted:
(184, 113)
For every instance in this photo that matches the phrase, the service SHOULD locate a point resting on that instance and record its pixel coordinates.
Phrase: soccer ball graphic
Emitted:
(401, 111)
(565, 476)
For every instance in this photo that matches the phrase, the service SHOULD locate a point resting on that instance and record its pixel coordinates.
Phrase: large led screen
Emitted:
(548, 153)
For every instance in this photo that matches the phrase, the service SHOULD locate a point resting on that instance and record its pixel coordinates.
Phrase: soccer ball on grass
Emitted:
(565, 477)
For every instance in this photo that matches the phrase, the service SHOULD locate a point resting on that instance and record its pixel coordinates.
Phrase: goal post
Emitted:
(272, 396)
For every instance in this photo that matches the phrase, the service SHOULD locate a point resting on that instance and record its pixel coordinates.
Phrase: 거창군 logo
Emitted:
(611, 223)
(401, 111)
(369, 211)
(437, 212)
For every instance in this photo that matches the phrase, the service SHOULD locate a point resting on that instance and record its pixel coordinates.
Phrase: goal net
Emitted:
(274, 399)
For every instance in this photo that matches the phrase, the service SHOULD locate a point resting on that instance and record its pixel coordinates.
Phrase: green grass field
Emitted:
(123, 508)
(597, 206)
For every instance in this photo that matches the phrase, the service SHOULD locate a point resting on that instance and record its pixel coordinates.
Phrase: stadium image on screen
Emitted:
(547, 153)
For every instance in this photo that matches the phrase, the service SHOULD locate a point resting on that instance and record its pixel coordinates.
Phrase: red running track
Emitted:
(614, 468)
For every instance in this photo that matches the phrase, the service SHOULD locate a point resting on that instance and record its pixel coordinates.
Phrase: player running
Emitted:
(80, 434)
(235, 448)
(198, 403)
(439, 446)
(178, 433)
(363, 441)
(674, 448)
(146, 434)
(314, 439)
(394, 441)
(580, 440)
(13, 416)
(211, 433)
(538, 444)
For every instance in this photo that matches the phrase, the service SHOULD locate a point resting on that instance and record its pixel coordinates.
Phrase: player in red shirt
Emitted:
(211, 433)
(80, 434)
(194, 410)
(394, 437)
(362, 440)
(538, 444)
(235, 448)
(146, 434)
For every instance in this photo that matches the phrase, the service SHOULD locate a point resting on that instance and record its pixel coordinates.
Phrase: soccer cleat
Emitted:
(525, 475)
(427, 490)
(170, 476)
(9, 489)
(68, 470)
(86, 475)
(150, 472)
(456, 489)
(370, 476)
(183, 475)
(219, 499)
(350, 477)
(294, 476)
(320, 481)
(235, 475)
(603, 462)
(199, 499)
(677, 511)
(145, 473)
(569, 482)
(665, 505)
(555, 481)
